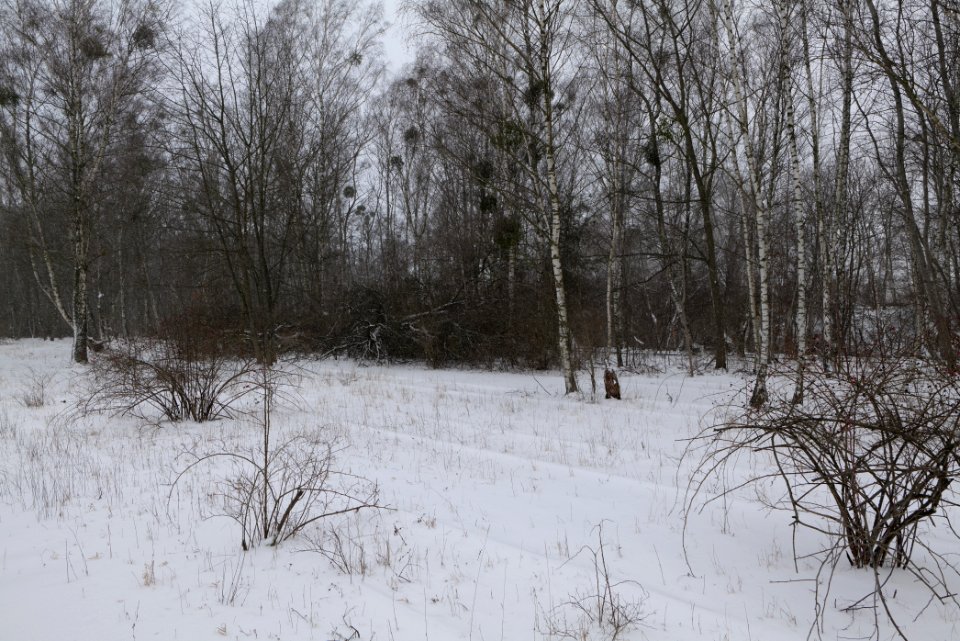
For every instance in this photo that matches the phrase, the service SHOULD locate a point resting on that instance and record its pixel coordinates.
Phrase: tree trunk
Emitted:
(786, 79)
(819, 211)
(761, 209)
(613, 272)
(564, 339)
(675, 280)
(828, 231)
(933, 303)
(751, 282)
(80, 311)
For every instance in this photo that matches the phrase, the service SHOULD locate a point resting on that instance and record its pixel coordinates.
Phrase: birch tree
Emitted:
(73, 69)
(828, 223)
(755, 196)
(796, 192)
(527, 46)
(614, 139)
(812, 97)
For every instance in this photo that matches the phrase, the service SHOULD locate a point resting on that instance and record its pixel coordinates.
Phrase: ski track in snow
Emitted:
(497, 488)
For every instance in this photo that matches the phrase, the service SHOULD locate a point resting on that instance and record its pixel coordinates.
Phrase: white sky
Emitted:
(396, 49)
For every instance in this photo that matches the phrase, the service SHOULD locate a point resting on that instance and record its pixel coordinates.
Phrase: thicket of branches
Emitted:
(868, 460)
(683, 174)
(189, 371)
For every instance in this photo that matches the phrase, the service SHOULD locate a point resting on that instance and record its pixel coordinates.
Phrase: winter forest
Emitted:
(749, 210)
(769, 178)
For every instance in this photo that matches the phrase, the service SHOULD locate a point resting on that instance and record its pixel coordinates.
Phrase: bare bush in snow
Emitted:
(178, 379)
(601, 611)
(33, 391)
(867, 460)
(278, 488)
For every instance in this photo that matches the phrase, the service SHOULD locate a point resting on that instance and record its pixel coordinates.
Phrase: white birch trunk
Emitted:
(48, 283)
(80, 311)
(751, 281)
(759, 396)
(564, 339)
(820, 216)
(615, 72)
(786, 79)
(613, 273)
(746, 206)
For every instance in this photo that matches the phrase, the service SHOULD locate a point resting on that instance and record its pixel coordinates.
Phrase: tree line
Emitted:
(548, 176)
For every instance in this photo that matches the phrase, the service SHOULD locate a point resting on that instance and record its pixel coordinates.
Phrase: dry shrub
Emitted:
(33, 392)
(278, 488)
(600, 611)
(187, 373)
(866, 459)
(276, 497)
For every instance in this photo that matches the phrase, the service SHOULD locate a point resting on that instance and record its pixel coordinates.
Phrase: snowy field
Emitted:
(503, 501)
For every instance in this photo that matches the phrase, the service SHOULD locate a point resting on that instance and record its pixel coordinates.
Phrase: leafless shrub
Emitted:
(233, 589)
(9, 428)
(274, 491)
(33, 391)
(149, 576)
(343, 545)
(601, 611)
(653, 362)
(55, 465)
(148, 376)
(276, 497)
(866, 460)
(355, 545)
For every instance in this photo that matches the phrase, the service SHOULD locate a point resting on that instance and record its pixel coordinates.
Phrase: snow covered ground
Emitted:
(504, 501)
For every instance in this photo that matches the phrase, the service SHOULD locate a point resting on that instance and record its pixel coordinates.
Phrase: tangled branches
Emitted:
(866, 460)
(146, 376)
(278, 488)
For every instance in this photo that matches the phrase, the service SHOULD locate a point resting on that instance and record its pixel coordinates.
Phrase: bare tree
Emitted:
(524, 46)
(74, 70)
(754, 195)
(796, 199)
(615, 131)
(925, 117)
(672, 45)
(254, 94)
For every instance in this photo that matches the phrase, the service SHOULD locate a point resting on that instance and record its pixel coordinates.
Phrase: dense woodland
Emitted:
(548, 177)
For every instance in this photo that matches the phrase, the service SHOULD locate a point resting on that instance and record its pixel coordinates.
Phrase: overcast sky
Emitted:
(395, 46)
